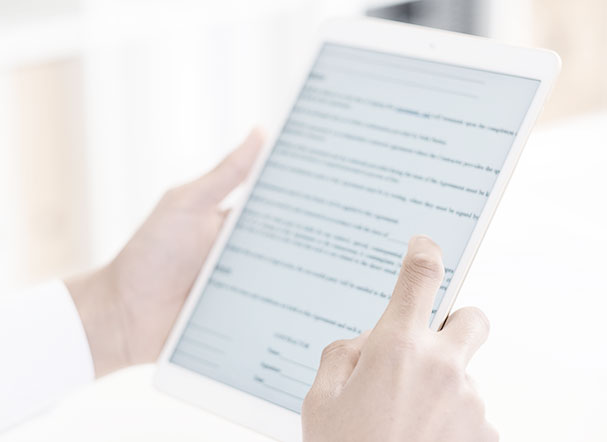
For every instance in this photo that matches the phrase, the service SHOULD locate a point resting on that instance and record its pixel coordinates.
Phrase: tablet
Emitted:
(395, 130)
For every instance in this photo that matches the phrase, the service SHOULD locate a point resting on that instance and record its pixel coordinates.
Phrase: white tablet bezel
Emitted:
(379, 35)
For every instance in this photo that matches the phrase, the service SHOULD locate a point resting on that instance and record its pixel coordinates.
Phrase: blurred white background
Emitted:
(104, 104)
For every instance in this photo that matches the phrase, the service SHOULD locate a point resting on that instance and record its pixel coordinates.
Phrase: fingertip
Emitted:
(468, 327)
(481, 317)
(424, 243)
(256, 137)
(231, 171)
(424, 260)
(474, 318)
(248, 149)
(239, 162)
(420, 277)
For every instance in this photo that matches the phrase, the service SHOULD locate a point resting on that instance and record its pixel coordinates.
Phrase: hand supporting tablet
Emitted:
(129, 306)
(401, 381)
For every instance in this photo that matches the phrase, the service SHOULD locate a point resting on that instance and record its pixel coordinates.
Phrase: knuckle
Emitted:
(309, 403)
(447, 369)
(487, 433)
(342, 349)
(473, 403)
(492, 434)
(422, 266)
(309, 400)
(330, 349)
(407, 345)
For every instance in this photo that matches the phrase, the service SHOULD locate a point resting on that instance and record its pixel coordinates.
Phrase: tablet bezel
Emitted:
(385, 36)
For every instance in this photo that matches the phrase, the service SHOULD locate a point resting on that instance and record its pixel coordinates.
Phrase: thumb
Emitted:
(336, 366)
(233, 169)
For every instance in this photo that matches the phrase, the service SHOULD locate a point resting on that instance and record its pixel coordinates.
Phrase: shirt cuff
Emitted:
(45, 351)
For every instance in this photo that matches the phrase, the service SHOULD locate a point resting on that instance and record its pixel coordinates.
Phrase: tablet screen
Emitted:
(377, 147)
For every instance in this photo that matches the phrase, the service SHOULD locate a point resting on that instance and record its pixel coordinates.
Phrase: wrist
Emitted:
(97, 301)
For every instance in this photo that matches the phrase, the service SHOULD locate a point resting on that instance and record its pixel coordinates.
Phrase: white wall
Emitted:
(168, 87)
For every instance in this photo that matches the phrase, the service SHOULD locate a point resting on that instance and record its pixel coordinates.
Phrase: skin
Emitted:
(399, 381)
(129, 306)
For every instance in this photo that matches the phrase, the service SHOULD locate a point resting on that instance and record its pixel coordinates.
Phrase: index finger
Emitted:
(420, 278)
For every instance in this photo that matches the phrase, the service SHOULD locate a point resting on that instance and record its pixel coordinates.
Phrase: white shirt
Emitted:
(44, 352)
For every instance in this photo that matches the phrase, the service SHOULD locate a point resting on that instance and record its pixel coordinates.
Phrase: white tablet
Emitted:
(395, 130)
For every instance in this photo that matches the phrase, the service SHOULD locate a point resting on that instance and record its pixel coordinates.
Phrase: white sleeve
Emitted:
(44, 352)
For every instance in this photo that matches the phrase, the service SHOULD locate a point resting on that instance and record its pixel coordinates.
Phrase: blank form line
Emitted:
(398, 241)
(271, 387)
(295, 380)
(278, 371)
(330, 47)
(202, 344)
(297, 363)
(376, 61)
(411, 84)
(195, 358)
(210, 331)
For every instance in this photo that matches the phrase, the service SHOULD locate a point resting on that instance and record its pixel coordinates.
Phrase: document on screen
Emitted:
(377, 148)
